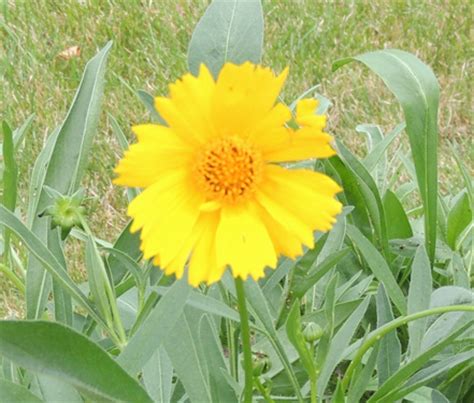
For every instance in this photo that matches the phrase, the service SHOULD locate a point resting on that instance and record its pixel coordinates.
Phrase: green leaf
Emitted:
(213, 357)
(65, 167)
(303, 282)
(47, 260)
(62, 300)
(11, 392)
(229, 31)
(398, 226)
(52, 349)
(10, 174)
(379, 267)
(430, 373)
(185, 352)
(371, 196)
(129, 244)
(158, 376)
(261, 310)
(151, 334)
(379, 148)
(339, 343)
(10, 179)
(390, 349)
(419, 295)
(295, 335)
(149, 102)
(407, 370)
(417, 90)
(459, 217)
(362, 380)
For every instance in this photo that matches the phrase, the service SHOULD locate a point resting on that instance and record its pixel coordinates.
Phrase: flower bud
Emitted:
(260, 364)
(312, 332)
(65, 211)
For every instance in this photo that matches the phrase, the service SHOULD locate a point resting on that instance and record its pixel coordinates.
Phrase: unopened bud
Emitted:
(260, 364)
(66, 211)
(312, 332)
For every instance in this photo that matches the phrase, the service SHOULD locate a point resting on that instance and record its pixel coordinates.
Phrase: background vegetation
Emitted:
(150, 42)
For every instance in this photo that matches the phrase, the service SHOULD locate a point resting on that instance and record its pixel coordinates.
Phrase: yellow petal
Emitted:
(188, 108)
(302, 144)
(243, 242)
(284, 241)
(308, 195)
(166, 213)
(203, 263)
(244, 95)
(158, 149)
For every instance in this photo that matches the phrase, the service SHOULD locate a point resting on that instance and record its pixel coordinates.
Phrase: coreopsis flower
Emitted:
(214, 193)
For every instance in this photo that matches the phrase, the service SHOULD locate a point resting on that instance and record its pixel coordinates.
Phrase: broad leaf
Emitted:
(55, 350)
(417, 90)
(229, 31)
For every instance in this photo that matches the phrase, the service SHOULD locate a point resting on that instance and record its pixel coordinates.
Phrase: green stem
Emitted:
(245, 334)
(313, 379)
(263, 391)
(10, 274)
(388, 327)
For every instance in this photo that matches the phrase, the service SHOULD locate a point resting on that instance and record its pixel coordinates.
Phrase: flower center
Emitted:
(228, 169)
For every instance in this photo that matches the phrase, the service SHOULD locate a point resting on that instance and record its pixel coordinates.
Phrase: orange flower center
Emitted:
(228, 169)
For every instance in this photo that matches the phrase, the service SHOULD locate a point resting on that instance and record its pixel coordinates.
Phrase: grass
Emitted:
(150, 43)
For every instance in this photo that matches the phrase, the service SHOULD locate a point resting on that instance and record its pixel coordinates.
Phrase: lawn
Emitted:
(150, 42)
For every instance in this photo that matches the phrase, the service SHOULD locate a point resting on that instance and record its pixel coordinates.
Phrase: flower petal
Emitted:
(243, 242)
(306, 194)
(158, 149)
(244, 95)
(188, 108)
(203, 265)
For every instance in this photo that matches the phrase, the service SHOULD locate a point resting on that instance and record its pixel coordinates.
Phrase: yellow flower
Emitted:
(214, 195)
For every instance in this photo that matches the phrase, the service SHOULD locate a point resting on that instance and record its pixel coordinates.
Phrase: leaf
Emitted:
(213, 357)
(10, 174)
(52, 349)
(362, 380)
(390, 349)
(417, 90)
(151, 334)
(260, 309)
(459, 217)
(47, 260)
(158, 376)
(11, 392)
(10, 182)
(430, 373)
(149, 102)
(129, 244)
(407, 370)
(379, 267)
(379, 148)
(229, 31)
(185, 352)
(19, 133)
(302, 283)
(295, 335)
(54, 390)
(65, 167)
(339, 343)
(398, 225)
(371, 196)
(419, 296)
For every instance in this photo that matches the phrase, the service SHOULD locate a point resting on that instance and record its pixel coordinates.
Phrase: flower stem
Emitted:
(245, 334)
(388, 327)
(10, 274)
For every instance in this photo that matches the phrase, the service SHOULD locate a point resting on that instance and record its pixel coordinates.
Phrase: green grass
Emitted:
(150, 44)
